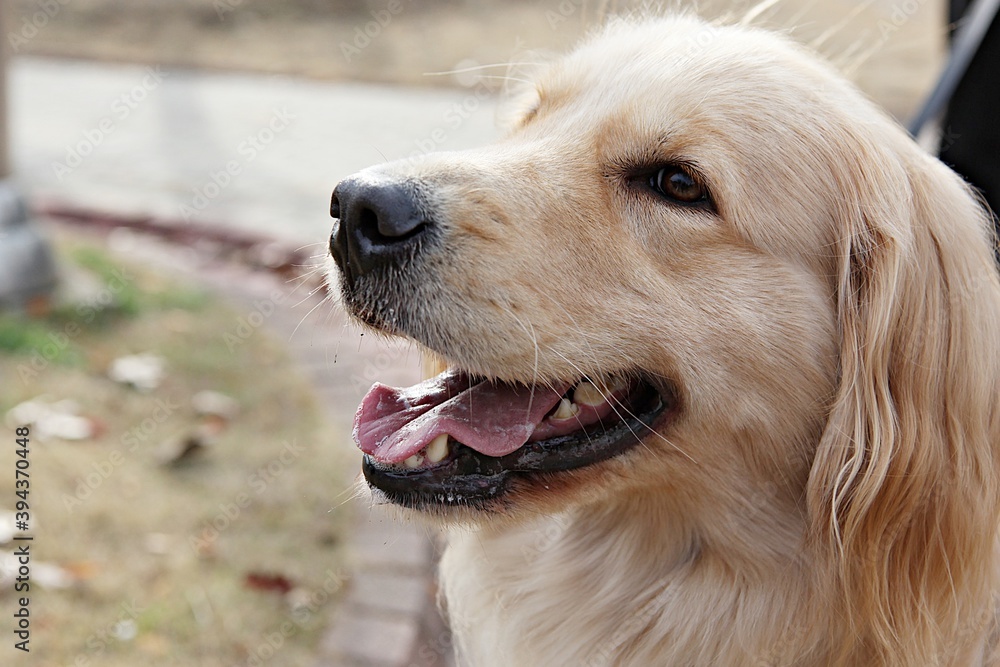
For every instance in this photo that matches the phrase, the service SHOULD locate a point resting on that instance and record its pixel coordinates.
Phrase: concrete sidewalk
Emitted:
(258, 152)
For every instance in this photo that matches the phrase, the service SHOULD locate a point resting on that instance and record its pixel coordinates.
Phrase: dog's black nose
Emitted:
(380, 221)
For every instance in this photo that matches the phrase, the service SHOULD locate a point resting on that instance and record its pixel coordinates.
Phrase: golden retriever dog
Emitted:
(722, 352)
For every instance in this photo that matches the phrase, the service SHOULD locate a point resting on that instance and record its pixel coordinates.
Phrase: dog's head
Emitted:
(632, 275)
(700, 268)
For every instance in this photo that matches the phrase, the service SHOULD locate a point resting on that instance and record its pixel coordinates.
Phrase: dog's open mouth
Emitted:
(461, 440)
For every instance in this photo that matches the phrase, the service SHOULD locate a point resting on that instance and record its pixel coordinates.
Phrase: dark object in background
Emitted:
(27, 269)
(970, 137)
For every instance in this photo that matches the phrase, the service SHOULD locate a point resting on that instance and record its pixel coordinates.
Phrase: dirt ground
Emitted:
(893, 48)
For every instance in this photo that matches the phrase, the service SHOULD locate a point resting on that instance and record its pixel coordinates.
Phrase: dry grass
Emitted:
(164, 551)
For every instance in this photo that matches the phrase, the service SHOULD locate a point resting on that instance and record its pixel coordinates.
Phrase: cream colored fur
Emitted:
(828, 495)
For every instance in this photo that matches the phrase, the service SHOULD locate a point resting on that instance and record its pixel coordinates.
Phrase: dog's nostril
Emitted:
(368, 220)
(334, 206)
(383, 229)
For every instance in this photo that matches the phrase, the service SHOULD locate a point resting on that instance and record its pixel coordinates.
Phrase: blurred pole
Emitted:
(968, 36)
(4, 157)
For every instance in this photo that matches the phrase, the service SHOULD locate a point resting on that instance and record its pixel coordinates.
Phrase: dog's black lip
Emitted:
(470, 479)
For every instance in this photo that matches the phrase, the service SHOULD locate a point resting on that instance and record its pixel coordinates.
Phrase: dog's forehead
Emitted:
(671, 59)
(710, 94)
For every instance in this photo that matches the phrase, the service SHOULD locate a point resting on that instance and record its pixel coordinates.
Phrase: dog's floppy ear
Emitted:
(903, 493)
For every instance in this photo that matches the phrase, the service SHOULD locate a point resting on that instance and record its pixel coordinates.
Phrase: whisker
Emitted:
(321, 244)
(608, 398)
(357, 492)
(320, 303)
(758, 9)
(474, 68)
(534, 341)
(840, 25)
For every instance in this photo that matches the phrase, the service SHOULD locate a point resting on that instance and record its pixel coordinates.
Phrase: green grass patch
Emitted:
(20, 335)
(118, 294)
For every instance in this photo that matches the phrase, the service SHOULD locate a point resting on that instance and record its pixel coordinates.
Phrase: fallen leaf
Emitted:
(264, 581)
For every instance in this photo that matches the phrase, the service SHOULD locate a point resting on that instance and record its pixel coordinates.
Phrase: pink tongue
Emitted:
(494, 419)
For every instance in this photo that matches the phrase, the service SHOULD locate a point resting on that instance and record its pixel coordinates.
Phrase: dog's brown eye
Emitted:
(677, 183)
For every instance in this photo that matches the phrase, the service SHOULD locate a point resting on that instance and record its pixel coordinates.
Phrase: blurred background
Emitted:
(165, 334)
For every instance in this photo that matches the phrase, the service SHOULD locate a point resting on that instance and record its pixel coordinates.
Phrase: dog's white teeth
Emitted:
(414, 461)
(587, 394)
(438, 449)
(566, 409)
